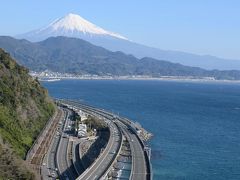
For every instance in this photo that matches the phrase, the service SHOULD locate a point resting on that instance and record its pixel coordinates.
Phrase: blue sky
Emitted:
(196, 26)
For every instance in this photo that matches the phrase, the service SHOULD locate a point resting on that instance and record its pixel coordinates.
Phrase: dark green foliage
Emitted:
(71, 55)
(24, 106)
(94, 123)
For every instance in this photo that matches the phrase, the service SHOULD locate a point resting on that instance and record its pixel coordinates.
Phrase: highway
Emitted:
(139, 164)
(62, 158)
(56, 162)
(138, 159)
(98, 168)
(63, 163)
(49, 166)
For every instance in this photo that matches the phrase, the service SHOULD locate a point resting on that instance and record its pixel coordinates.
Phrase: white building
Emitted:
(82, 130)
(82, 115)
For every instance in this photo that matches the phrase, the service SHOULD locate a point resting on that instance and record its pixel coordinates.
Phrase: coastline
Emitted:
(178, 79)
(199, 107)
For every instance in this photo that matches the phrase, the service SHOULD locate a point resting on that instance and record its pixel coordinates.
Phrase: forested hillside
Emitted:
(76, 56)
(24, 109)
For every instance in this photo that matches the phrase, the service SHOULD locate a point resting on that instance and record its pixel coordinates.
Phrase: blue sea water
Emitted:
(196, 126)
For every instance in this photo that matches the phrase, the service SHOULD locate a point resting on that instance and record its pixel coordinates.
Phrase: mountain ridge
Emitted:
(76, 56)
(117, 42)
(71, 25)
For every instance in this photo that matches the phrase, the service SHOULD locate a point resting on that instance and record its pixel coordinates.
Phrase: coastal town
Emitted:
(48, 75)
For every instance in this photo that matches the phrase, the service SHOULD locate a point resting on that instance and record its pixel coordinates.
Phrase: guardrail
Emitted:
(92, 165)
(115, 159)
(131, 149)
(128, 123)
(148, 165)
(58, 144)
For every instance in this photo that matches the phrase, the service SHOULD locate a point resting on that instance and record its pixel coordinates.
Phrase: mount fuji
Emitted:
(73, 25)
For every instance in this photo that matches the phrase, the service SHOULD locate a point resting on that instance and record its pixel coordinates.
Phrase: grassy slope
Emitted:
(24, 109)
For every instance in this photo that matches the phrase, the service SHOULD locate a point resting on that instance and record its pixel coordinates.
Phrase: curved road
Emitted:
(98, 168)
(139, 167)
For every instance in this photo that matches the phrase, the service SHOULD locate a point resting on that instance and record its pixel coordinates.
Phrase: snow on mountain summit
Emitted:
(75, 22)
(71, 25)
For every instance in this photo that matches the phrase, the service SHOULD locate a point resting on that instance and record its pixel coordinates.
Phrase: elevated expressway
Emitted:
(119, 127)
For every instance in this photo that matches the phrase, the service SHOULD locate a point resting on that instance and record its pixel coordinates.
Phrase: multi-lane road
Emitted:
(57, 162)
(63, 162)
(98, 168)
(139, 165)
(49, 165)
(139, 169)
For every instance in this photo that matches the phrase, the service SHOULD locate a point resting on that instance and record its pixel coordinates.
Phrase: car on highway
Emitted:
(64, 135)
(53, 175)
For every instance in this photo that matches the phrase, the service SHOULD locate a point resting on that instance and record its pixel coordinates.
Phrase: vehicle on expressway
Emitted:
(104, 164)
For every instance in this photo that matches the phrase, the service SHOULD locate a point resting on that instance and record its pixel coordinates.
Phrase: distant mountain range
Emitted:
(73, 25)
(73, 55)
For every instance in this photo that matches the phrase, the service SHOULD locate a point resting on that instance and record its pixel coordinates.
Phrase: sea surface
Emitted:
(196, 126)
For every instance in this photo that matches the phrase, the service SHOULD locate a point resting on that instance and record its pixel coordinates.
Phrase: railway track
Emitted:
(46, 140)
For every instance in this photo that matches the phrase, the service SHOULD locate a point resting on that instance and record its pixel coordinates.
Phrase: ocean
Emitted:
(196, 125)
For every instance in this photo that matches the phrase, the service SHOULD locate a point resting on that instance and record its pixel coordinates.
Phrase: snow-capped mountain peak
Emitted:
(71, 25)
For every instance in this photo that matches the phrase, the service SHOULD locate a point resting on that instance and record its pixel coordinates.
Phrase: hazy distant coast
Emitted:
(56, 76)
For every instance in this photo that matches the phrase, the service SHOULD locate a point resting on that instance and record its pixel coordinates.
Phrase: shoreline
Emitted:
(53, 79)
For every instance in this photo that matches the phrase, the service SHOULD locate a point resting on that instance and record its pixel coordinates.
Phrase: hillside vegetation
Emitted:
(24, 109)
(76, 56)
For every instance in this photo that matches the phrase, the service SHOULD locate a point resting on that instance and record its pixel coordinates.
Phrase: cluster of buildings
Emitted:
(82, 128)
(48, 75)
